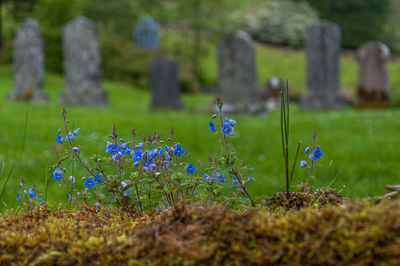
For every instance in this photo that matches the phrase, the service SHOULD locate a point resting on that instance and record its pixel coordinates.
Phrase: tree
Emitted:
(360, 20)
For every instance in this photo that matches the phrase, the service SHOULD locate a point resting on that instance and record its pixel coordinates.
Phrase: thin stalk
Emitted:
(295, 160)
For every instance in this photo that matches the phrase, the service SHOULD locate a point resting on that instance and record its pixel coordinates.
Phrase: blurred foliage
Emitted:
(359, 20)
(282, 23)
(52, 16)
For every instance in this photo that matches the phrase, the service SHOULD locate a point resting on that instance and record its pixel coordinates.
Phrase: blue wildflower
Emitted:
(191, 169)
(18, 197)
(71, 136)
(212, 127)
(127, 193)
(315, 155)
(98, 179)
(111, 148)
(75, 149)
(227, 129)
(123, 185)
(221, 178)
(178, 150)
(152, 167)
(303, 164)
(307, 150)
(40, 201)
(117, 156)
(137, 156)
(57, 174)
(72, 179)
(32, 193)
(69, 197)
(76, 132)
(235, 181)
(250, 178)
(89, 183)
(59, 138)
(230, 122)
(124, 148)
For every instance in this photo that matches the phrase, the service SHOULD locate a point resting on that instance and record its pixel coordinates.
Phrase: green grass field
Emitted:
(364, 143)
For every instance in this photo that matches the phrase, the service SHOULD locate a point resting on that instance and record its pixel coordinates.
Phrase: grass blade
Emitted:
(295, 160)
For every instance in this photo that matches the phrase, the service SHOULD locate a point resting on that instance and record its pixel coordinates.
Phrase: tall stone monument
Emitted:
(29, 62)
(373, 88)
(164, 84)
(82, 64)
(238, 83)
(146, 34)
(323, 68)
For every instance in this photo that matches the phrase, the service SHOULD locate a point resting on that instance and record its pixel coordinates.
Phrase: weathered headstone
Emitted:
(323, 68)
(373, 78)
(146, 34)
(82, 64)
(238, 82)
(164, 84)
(29, 64)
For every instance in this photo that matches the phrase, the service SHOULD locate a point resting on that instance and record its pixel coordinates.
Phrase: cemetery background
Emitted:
(343, 134)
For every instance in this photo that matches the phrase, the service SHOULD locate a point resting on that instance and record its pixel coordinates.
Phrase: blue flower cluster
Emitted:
(227, 126)
(32, 195)
(91, 183)
(57, 174)
(315, 155)
(70, 136)
(214, 178)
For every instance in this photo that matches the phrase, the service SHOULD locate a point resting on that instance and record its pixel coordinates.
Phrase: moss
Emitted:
(352, 233)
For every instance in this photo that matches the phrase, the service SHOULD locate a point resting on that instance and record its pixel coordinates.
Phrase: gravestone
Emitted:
(373, 79)
(238, 83)
(29, 64)
(323, 68)
(146, 34)
(82, 65)
(164, 84)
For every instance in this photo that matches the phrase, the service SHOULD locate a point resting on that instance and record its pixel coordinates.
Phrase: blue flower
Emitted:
(76, 132)
(231, 122)
(75, 149)
(250, 178)
(212, 127)
(178, 150)
(235, 181)
(315, 155)
(98, 179)
(137, 156)
(57, 174)
(123, 185)
(111, 148)
(124, 148)
(72, 179)
(69, 197)
(71, 136)
(89, 183)
(32, 193)
(307, 150)
(227, 129)
(117, 156)
(127, 193)
(40, 201)
(221, 178)
(191, 169)
(303, 164)
(152, 167)
(59, 138)
(18, 197)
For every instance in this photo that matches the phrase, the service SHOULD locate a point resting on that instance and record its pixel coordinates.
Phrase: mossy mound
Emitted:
(353, 233)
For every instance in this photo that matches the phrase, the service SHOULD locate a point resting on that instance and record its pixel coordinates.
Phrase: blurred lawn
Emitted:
(364, 143)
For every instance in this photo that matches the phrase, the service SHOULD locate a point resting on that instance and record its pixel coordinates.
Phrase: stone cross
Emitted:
(373, 79)
(82, 64)
(29, 62)
(323, 68)
(145, 35)
(164, 84)
(238, 83)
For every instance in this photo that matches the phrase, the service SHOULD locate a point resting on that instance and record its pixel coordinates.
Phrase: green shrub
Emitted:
(359, 20)
(282, 23)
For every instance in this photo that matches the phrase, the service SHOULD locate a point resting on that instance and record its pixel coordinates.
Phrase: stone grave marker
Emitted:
(146, 34)
(238, 83)
(82, 64)
(164, 84)
(29, 59)
(323, 68)
(373, 88)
